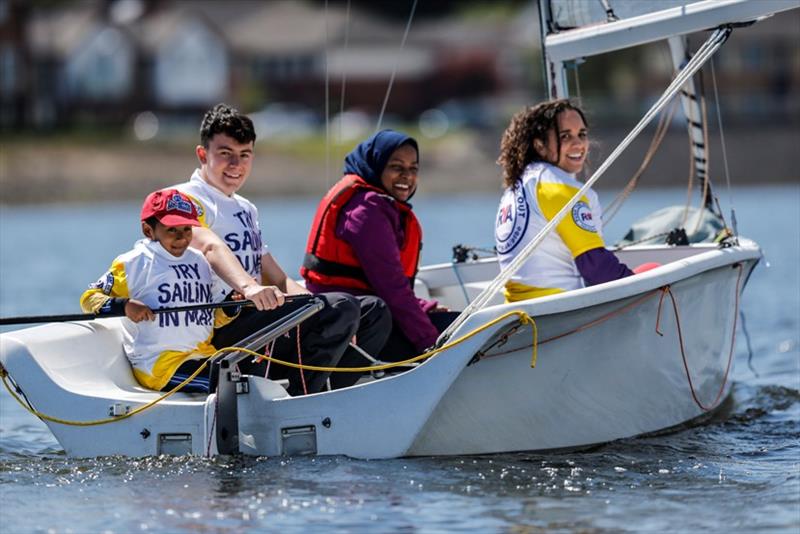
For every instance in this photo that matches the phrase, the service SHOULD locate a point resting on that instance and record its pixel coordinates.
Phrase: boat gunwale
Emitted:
(715, 257)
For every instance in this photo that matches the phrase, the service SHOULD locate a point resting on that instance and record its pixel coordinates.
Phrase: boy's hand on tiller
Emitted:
(137, 311)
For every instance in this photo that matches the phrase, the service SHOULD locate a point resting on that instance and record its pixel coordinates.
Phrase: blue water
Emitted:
(738, 472)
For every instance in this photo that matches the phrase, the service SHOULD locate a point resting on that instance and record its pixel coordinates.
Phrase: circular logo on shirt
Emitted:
(512, 219)
(582, 215)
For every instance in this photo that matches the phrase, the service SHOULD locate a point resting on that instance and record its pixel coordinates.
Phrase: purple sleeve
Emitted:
(600, 265)
(371, 225)
(427, 305)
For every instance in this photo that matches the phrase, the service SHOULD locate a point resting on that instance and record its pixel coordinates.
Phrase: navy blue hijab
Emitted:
(370, 157)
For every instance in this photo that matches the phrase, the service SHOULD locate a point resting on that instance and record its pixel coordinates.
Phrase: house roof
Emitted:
(157, 29)
(281, 27)
(290, 27)
(57, 32)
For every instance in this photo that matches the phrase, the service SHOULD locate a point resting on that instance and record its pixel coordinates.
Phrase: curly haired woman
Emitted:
(542, 150)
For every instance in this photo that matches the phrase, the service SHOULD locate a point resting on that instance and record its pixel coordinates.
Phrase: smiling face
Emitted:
(572, 140)
(226, 163)
(174, 239)
(399, 177)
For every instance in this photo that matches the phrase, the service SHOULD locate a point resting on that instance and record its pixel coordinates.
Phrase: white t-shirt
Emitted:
(158, 279)
(527, 207)
(234, 219)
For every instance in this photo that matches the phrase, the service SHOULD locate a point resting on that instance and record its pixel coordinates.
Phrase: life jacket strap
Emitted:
(331, 268)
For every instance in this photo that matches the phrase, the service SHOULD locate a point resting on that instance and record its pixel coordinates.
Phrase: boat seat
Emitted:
(84, 358)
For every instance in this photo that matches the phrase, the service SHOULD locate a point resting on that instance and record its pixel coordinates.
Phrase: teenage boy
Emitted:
(162, 271)
(230, 222)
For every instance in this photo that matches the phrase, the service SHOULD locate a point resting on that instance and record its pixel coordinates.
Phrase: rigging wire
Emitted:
(724, 151)
(610, 15)
(344, 71)
(696, 118)
(394, 68)
(327, 106)
(661, 130)
(613, 207)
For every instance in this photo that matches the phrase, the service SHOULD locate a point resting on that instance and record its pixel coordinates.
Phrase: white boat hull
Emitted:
(603, 372)
(616, 379)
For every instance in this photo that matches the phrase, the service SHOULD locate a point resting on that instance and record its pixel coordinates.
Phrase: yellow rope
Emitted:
(524, 319)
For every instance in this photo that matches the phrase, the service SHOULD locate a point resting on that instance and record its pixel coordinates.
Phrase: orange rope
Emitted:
(661, 130)
(715, 402)
(268, 352)
(588, 325)
(663, 291)
(300, 361)
(602, 318)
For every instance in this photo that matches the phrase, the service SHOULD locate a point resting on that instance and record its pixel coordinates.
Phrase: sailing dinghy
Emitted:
(634, 356)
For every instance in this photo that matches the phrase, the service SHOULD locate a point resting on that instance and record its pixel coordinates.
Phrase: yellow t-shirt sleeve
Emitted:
(113, 284)
(577, 229)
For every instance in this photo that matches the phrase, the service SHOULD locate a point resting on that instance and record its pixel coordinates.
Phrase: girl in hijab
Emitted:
(366, 240)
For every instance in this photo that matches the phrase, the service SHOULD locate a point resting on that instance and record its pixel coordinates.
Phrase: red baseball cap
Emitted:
(171, 208)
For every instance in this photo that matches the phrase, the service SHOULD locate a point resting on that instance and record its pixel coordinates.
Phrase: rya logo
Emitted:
(582, 215)
(177, 202)
(512, 219)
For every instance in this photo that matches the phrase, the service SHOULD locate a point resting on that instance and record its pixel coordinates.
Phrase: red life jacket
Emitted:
(332, 261)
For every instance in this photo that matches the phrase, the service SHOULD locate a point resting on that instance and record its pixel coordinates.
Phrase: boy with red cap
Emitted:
(162, 271)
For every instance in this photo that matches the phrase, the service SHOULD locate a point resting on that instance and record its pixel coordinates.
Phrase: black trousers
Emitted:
(399, 348)
(374, 327)
(323, 339)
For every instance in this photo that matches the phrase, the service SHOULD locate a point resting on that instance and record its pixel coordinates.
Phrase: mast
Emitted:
(555, 78)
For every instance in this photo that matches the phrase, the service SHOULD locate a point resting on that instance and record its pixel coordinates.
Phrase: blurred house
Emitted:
(185, 58)
(78, 62)
(105, 60)
(109, 59)
(757, 71)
